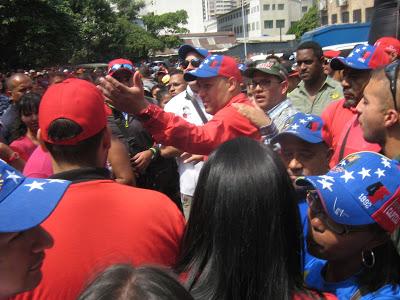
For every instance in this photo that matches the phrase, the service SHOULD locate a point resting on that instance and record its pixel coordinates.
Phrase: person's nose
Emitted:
(42, 239)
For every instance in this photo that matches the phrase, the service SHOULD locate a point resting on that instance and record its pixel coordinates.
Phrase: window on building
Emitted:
(368, 14)
(334, 19)
(257, 25)
(324, 20)
(267, 6)
(240, 29)
(268, 24)
(281, 6)
(357, 16)
(273, 6)
(345, 17)
(304, 9)
(280, 23)
(253, 26)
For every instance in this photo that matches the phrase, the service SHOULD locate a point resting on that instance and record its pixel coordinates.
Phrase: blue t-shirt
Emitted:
(344, 290)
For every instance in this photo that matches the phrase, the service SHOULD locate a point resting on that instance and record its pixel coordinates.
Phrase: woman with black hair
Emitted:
(244, 238)
(352, 210)
(25, 128)
(124, 282)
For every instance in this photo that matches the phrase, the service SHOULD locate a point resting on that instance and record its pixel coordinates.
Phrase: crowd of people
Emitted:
(274, 179)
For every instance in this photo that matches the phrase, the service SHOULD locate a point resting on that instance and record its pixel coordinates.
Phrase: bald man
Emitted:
(17, 85)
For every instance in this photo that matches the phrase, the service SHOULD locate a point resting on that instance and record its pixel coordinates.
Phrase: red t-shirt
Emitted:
(24, 146)
(99, 223)
(337, 122)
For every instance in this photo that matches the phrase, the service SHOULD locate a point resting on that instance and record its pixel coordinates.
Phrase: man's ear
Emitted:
(391, 118)
(41, 142)
(233, 84)
(285, 86)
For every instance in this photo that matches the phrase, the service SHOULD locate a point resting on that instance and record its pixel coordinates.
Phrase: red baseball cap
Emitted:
(331, 53)
(76, 100)
(120, 64)
(389, 44)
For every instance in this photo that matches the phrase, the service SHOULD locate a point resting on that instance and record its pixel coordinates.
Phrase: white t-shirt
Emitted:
(180, 106)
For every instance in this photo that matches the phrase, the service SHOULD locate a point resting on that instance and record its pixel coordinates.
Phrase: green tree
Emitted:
(35, 32)
(309, 21)
(166, 27)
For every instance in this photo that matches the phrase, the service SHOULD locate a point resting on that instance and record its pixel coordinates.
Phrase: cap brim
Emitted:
(305, 137)
(339, 204)
(30, 203)
(199, 73)
(339, 63)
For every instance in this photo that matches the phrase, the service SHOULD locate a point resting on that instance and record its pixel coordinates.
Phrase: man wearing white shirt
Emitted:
(184, 105)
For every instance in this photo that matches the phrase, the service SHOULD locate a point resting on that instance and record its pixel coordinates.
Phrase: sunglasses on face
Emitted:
(315, 205)
(391, 74)
(327, 61)
(121, 66)
(195, 62)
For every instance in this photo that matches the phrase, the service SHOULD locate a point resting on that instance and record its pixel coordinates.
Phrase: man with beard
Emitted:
(316, 90)
(342, 131)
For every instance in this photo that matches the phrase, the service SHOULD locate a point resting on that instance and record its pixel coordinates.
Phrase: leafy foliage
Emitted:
(50, 32)
(309, 21)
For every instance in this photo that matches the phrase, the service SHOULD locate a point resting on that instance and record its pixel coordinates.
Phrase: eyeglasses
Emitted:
(315, 205)
(391, 74)
(195, 62)
(121, 66)
(263, 83)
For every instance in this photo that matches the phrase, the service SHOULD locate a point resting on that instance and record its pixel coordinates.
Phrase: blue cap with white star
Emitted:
(304, 126)
(26, 202)
(364, 188)
(362, 57)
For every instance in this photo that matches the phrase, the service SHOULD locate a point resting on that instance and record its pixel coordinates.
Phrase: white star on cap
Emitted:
(380, 172)
(310, 118)
(347, 176)
(56, 181)
(295, 127)
(351, 54)
(385, 162)
(326, 177)
(35, 185)
(365, 47)
(358, 50)
(365, 173)
(343, 163)
(13, 176)
(206, 61)
(302, 121)
(326, 184)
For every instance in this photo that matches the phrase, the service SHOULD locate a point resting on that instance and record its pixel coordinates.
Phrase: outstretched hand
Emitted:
(122, 97)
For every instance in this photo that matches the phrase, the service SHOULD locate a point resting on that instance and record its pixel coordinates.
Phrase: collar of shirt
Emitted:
(328, 81)
(83, 174)
(277, 109)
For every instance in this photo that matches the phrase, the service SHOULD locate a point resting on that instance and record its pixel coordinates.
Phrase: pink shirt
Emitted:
(39, 164)
(24, 146)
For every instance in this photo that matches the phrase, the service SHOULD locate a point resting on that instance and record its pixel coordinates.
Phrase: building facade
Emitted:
(263, 17)
(345, 11)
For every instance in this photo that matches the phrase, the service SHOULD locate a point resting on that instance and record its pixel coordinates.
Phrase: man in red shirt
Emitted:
(98, 222)
(218, 79)
(341, 129)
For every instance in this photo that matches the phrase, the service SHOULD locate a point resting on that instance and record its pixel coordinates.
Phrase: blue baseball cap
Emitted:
(215, 65)
(364, 188)
(362, 57)
(26, 202)
(185, 49)
(304, 126)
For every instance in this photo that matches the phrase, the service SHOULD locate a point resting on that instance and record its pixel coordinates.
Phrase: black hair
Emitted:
(243, 239)
(317, 50)
(161, 93)
(123, 282)
(386, 269)
(82, 153)
(175, 71)
(27, 105)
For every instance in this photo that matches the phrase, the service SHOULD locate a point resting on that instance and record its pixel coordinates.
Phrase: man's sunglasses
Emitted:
(391, 71)
(121, 66)
(195, 62)
(315, 205)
